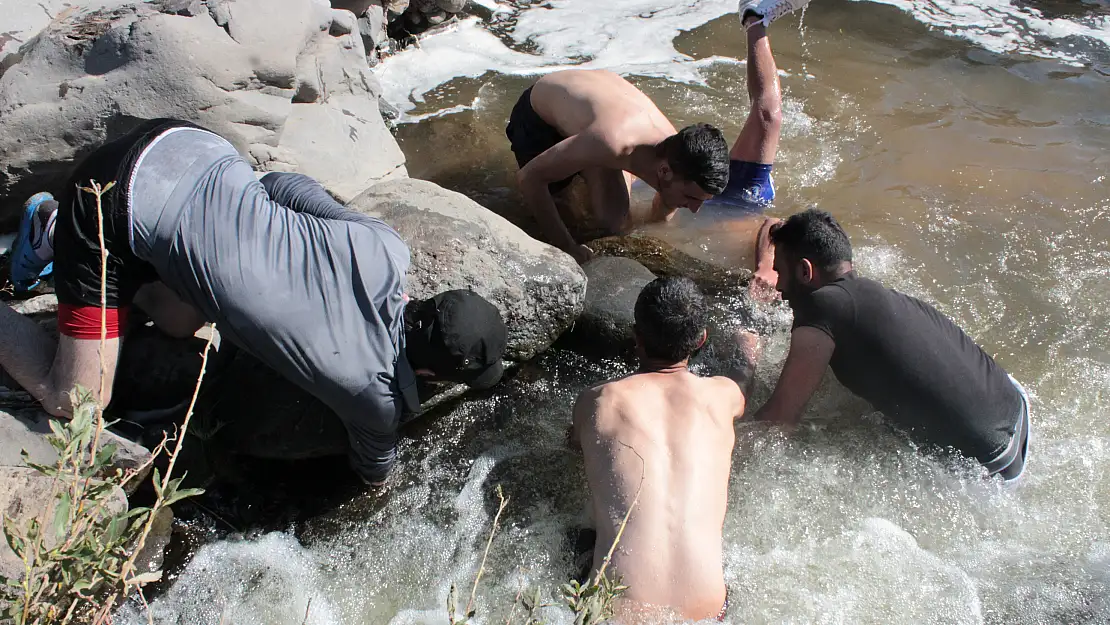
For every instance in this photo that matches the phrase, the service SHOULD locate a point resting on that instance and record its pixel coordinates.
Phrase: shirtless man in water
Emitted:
(666, 434)
(595, 124)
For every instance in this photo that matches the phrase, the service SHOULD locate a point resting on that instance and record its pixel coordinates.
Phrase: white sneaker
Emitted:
(769, 10)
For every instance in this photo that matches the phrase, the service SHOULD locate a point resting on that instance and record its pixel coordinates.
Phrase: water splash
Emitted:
(636, 37)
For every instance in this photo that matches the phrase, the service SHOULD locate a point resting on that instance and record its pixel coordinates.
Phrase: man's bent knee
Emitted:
(769, 118)
(56, 403)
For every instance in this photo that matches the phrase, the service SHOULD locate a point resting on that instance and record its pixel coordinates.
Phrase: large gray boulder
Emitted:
(458, 244)
(286, 81)
(23, 20)
(606, 323)
(24, 427)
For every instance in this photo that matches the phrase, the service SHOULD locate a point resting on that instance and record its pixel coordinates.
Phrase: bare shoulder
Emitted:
(726, 395)
(586, 405)
(604, 396)
(606, 138)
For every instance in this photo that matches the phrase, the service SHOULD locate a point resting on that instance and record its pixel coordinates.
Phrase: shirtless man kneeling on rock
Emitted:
(666, 434)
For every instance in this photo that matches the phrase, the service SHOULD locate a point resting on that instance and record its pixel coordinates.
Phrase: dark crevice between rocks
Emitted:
(216, 11)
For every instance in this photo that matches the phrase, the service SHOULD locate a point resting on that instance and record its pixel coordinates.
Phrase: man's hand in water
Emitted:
(659, 211)
(749, 345)
(581, 253)
(762, 287)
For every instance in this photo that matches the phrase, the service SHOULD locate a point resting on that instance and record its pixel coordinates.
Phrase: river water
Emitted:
(965, 146)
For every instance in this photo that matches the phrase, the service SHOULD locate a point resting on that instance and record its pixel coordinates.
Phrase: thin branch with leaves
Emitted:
(79, 564)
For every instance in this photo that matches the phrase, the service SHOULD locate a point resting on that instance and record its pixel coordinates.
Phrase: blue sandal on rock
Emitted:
(27, 267)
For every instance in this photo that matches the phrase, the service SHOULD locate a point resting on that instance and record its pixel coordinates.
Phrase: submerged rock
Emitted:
(663, 259)
(605, 326)
(286, 81)
(458, 244)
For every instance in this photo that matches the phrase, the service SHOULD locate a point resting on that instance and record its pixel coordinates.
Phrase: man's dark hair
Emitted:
(670, 318)
(816, 235)
(699, 153)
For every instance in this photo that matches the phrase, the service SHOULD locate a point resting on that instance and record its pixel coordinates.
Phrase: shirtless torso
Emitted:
(598, 125)
(604, 106)
(674, 429)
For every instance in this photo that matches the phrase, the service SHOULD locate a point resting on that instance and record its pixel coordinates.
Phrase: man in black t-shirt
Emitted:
(897, 352)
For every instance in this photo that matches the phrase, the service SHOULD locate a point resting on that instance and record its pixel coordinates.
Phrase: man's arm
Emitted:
(373, 456)
(560, 161)
(304, 195)
(585, 407)
(741, 367)
(371, 420)
(765, 278)
(809, 356)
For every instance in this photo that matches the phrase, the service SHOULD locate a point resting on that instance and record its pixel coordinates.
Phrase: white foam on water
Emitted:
(265, 581)
(636, 37)
(629, 37)
(811, 586)
(1000, 26)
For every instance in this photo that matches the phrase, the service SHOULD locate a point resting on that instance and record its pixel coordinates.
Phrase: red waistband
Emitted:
(84, 322)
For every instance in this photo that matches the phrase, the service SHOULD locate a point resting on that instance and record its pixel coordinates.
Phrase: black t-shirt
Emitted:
(913, 364)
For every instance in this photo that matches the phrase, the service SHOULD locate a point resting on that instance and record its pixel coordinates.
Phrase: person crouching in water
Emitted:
(664, 435)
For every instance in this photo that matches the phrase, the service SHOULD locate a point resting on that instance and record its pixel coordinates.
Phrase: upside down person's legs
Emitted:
(759, 139)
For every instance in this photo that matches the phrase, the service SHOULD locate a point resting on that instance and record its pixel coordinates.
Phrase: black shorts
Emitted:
(529, 136)
(77, 257)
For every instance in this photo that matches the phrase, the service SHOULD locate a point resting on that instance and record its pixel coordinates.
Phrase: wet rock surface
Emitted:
(286, 81)
(456, 243)
(605, 326)
(663, 259)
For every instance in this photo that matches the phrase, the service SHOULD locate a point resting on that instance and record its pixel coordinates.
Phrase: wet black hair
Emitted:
(670, 318)
(816, 235)
(699, 153)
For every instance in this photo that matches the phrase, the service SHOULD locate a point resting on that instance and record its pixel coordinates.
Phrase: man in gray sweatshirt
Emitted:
(312, 289)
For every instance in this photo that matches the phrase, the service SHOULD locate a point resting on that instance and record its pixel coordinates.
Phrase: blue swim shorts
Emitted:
(750, 187)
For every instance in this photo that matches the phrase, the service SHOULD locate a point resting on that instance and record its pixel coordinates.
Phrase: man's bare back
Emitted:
(673, 432)
(597, 125)
(605, 106)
